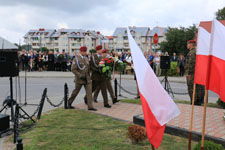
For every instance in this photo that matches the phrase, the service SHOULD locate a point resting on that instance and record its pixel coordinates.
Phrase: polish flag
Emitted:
(216, 77)
(158, 107)
(202, 56)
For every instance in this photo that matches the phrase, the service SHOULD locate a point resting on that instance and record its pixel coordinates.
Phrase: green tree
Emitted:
(220, 14)
(176, 40)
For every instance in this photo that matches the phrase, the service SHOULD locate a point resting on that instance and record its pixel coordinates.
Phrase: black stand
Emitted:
(13, 102)
(167, 86)
(120, 88)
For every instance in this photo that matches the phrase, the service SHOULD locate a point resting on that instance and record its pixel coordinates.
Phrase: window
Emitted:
(125, 38)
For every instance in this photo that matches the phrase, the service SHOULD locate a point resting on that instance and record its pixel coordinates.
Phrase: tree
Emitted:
(176, 40)
(220, 14)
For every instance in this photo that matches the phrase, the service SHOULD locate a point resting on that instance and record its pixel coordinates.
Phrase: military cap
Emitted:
(83, 49)
(99, 47)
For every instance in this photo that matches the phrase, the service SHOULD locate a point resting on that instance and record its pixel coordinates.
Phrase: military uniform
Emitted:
(81, 69)
(190, 69)
(98, 79)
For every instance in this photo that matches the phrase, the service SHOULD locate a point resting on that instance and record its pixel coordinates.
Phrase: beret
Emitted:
(83, 49)
(191, 41)
(99, 47)
(104, 51)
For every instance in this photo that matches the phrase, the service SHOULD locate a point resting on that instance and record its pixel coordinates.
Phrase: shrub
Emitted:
(221, 103)
(136, 133)
(173, 69)
(208, 145)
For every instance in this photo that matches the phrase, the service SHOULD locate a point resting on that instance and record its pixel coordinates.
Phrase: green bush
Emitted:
(221, 103)
(208, 145)
(172, 71)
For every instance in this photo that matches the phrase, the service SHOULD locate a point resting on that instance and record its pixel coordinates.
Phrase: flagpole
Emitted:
(204, 119)
(192, 116)
(153, 148)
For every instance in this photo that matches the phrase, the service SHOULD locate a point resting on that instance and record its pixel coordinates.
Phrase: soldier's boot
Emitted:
(85, 100)
(70, 106)
(115, 100)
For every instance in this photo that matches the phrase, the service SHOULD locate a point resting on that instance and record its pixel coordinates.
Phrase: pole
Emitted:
(153, 148)
(204, 119)
(65, 96)
(120, 85)
(115, 87)
(11, 99)
(192, 115)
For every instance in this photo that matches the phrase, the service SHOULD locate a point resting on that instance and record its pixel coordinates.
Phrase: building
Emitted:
(64, 39)
(140, 34)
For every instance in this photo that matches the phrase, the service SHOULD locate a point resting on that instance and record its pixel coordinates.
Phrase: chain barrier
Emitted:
(35, 112)
(54, 105)
(125, 90)
(175, 93)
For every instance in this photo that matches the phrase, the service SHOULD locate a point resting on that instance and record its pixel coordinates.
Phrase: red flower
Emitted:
(105, 59)
(108, 61)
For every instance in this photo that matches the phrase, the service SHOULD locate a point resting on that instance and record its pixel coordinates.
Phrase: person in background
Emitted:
(157, 65)
(151, 61)
(45, 61)
(181, 64)
(174, 57)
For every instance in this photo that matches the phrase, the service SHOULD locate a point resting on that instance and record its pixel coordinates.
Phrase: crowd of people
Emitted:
(62, 61)
(153, 59)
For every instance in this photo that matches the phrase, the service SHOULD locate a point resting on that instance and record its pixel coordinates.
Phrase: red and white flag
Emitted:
(158, 107)
(216, 76)
(202, 56)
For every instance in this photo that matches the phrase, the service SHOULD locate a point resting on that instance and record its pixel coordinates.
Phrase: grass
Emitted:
(81, 130)
(138, 101)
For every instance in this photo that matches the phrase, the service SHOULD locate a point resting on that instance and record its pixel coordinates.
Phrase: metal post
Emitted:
(11, 98)
(16, 124)
(65, 96)
(42, 104)
(19, 145)
(120, 85)
(115, 87)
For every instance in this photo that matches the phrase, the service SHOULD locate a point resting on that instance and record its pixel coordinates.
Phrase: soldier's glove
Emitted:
(83, 78)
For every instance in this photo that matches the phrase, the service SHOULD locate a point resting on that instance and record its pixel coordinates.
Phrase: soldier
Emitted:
(109, 84)
(81, 69)
(190, 69)
(98, 79)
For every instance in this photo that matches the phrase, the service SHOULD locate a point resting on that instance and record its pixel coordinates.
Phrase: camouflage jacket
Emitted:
(190, 62)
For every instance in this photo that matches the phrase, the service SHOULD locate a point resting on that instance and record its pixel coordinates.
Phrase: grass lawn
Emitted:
(81, 130)
(138, 101)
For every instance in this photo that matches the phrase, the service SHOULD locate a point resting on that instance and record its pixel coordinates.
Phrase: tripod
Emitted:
(10, 102)
(167, 86)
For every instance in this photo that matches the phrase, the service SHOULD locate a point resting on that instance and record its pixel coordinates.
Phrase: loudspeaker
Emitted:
(8, 63)
(4, 122)
(165, 62)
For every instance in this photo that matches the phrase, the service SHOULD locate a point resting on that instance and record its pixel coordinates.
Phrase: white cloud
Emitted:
(17, 17)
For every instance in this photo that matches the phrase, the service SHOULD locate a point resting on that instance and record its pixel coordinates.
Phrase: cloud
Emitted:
(19, 16)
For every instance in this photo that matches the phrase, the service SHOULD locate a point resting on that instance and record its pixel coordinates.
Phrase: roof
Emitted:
(36, 33)
(142, 30)
(207, 25)
(159, 30)
(4, 44)
(109, 37)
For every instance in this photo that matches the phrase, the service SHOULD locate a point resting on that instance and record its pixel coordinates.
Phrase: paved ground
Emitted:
(54, 82)
(215, 124)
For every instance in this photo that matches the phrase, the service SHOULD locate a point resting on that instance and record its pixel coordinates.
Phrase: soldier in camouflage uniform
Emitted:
(190, 69)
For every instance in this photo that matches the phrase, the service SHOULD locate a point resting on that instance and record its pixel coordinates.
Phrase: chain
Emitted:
(54, 105)
(176, 93)
(126, 90)
(35, 112)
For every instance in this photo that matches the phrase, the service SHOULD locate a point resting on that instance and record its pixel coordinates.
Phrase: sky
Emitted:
(17, 17)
